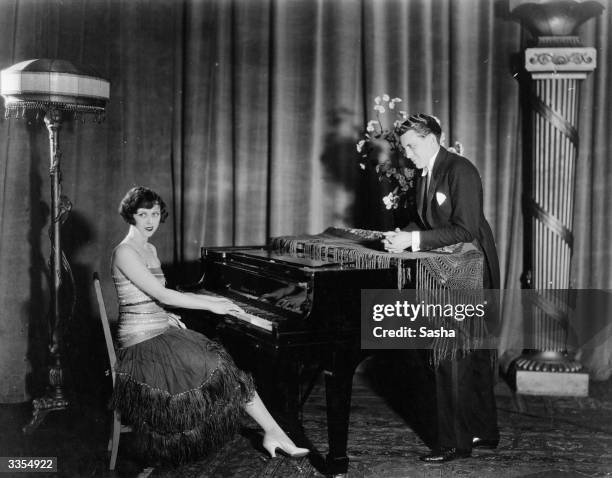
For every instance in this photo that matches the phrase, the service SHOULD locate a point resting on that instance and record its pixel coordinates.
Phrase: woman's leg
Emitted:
(274, 436)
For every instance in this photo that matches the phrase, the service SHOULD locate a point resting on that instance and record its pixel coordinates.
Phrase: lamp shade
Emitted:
(41, 84)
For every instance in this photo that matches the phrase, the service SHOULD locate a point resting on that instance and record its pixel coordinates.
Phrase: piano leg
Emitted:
(288, 387)
(338, 389)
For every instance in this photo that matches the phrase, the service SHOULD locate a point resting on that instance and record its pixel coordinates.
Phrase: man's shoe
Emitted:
(443, 456)
(484, 443)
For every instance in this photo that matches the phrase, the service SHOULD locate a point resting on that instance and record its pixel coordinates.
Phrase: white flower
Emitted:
(360, 145)
(391, 105)
(377, 100)
(380, 108)
(362, 166)
(442, 139)
(397, 124)
(388, 200)
(386, 97)
(391, 201)
(370, 128)
(403, 114)
(397, 100)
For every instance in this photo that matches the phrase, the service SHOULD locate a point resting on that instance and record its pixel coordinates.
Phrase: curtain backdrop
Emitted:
(244, 116)
(592, 261)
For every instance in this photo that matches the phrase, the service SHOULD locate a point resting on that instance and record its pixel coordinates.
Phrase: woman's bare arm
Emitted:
(127, 260)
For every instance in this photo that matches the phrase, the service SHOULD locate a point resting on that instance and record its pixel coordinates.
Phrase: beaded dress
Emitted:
(180, 391)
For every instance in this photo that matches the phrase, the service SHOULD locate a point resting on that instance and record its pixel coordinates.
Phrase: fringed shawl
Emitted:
(450, 275)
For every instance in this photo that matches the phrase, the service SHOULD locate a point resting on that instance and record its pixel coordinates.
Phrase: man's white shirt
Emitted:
(416, 235)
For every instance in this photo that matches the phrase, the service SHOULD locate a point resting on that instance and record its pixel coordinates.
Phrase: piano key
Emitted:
(254, 320)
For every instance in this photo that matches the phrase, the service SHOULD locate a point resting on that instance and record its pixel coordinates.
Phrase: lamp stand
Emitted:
(60, 207)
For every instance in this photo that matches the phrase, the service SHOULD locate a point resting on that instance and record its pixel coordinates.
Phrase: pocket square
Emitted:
(440, 197)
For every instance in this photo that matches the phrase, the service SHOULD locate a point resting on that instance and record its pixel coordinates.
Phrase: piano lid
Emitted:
(284, 258)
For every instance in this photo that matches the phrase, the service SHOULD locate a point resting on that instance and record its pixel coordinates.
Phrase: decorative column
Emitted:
(557, 63)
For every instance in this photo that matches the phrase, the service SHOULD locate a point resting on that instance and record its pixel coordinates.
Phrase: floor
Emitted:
(552, 437)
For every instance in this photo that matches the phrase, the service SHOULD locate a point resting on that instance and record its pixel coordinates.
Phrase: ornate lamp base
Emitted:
(53, 401)
(42, 407)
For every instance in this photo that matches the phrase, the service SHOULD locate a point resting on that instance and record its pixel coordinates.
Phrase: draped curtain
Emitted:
(243, 115)
(592, 261)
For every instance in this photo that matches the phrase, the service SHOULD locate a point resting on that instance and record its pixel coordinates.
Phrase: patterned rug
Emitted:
(554, 437)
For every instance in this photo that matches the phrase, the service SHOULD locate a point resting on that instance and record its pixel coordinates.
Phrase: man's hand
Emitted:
(397, 241)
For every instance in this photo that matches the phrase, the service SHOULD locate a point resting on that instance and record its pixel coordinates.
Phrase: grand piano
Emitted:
(301, 297)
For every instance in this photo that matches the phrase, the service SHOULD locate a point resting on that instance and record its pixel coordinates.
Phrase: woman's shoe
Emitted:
(296, 453)
(278, 440)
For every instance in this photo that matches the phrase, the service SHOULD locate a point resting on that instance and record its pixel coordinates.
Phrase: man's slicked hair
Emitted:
(422, 124)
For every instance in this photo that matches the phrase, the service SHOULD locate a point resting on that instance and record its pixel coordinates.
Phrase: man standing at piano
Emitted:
(450, 211)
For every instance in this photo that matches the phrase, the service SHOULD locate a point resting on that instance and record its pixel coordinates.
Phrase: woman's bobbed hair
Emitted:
(141, 197)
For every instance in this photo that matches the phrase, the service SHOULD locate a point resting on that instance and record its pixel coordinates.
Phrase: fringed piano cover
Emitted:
(450, 275)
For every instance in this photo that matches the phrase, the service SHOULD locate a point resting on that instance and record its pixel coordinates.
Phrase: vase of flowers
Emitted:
(380, 150)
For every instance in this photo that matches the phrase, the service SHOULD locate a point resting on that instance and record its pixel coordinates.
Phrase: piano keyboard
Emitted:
(251, 315)
(254, 320)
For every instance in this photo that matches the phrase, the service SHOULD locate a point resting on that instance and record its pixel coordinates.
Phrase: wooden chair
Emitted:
(117, 427)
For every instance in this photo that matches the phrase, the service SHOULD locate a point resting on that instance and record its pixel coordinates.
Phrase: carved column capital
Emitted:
(560, 62)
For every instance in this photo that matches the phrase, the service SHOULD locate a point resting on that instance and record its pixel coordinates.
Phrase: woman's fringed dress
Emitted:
(180, 391)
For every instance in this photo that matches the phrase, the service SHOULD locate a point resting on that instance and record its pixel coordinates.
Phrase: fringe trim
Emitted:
(462, 270)
(177, 428)
(440, 279)
(437, 356)
(188, 445)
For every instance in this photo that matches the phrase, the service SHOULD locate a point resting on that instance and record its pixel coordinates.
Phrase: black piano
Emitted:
(302, 316)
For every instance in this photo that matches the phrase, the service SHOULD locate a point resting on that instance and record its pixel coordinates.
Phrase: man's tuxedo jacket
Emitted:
(454, 211)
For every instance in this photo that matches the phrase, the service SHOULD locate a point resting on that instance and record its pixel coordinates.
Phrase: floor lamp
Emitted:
(57, 91)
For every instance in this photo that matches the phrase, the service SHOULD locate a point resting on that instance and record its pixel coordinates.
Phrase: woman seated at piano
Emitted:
(182, 392)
